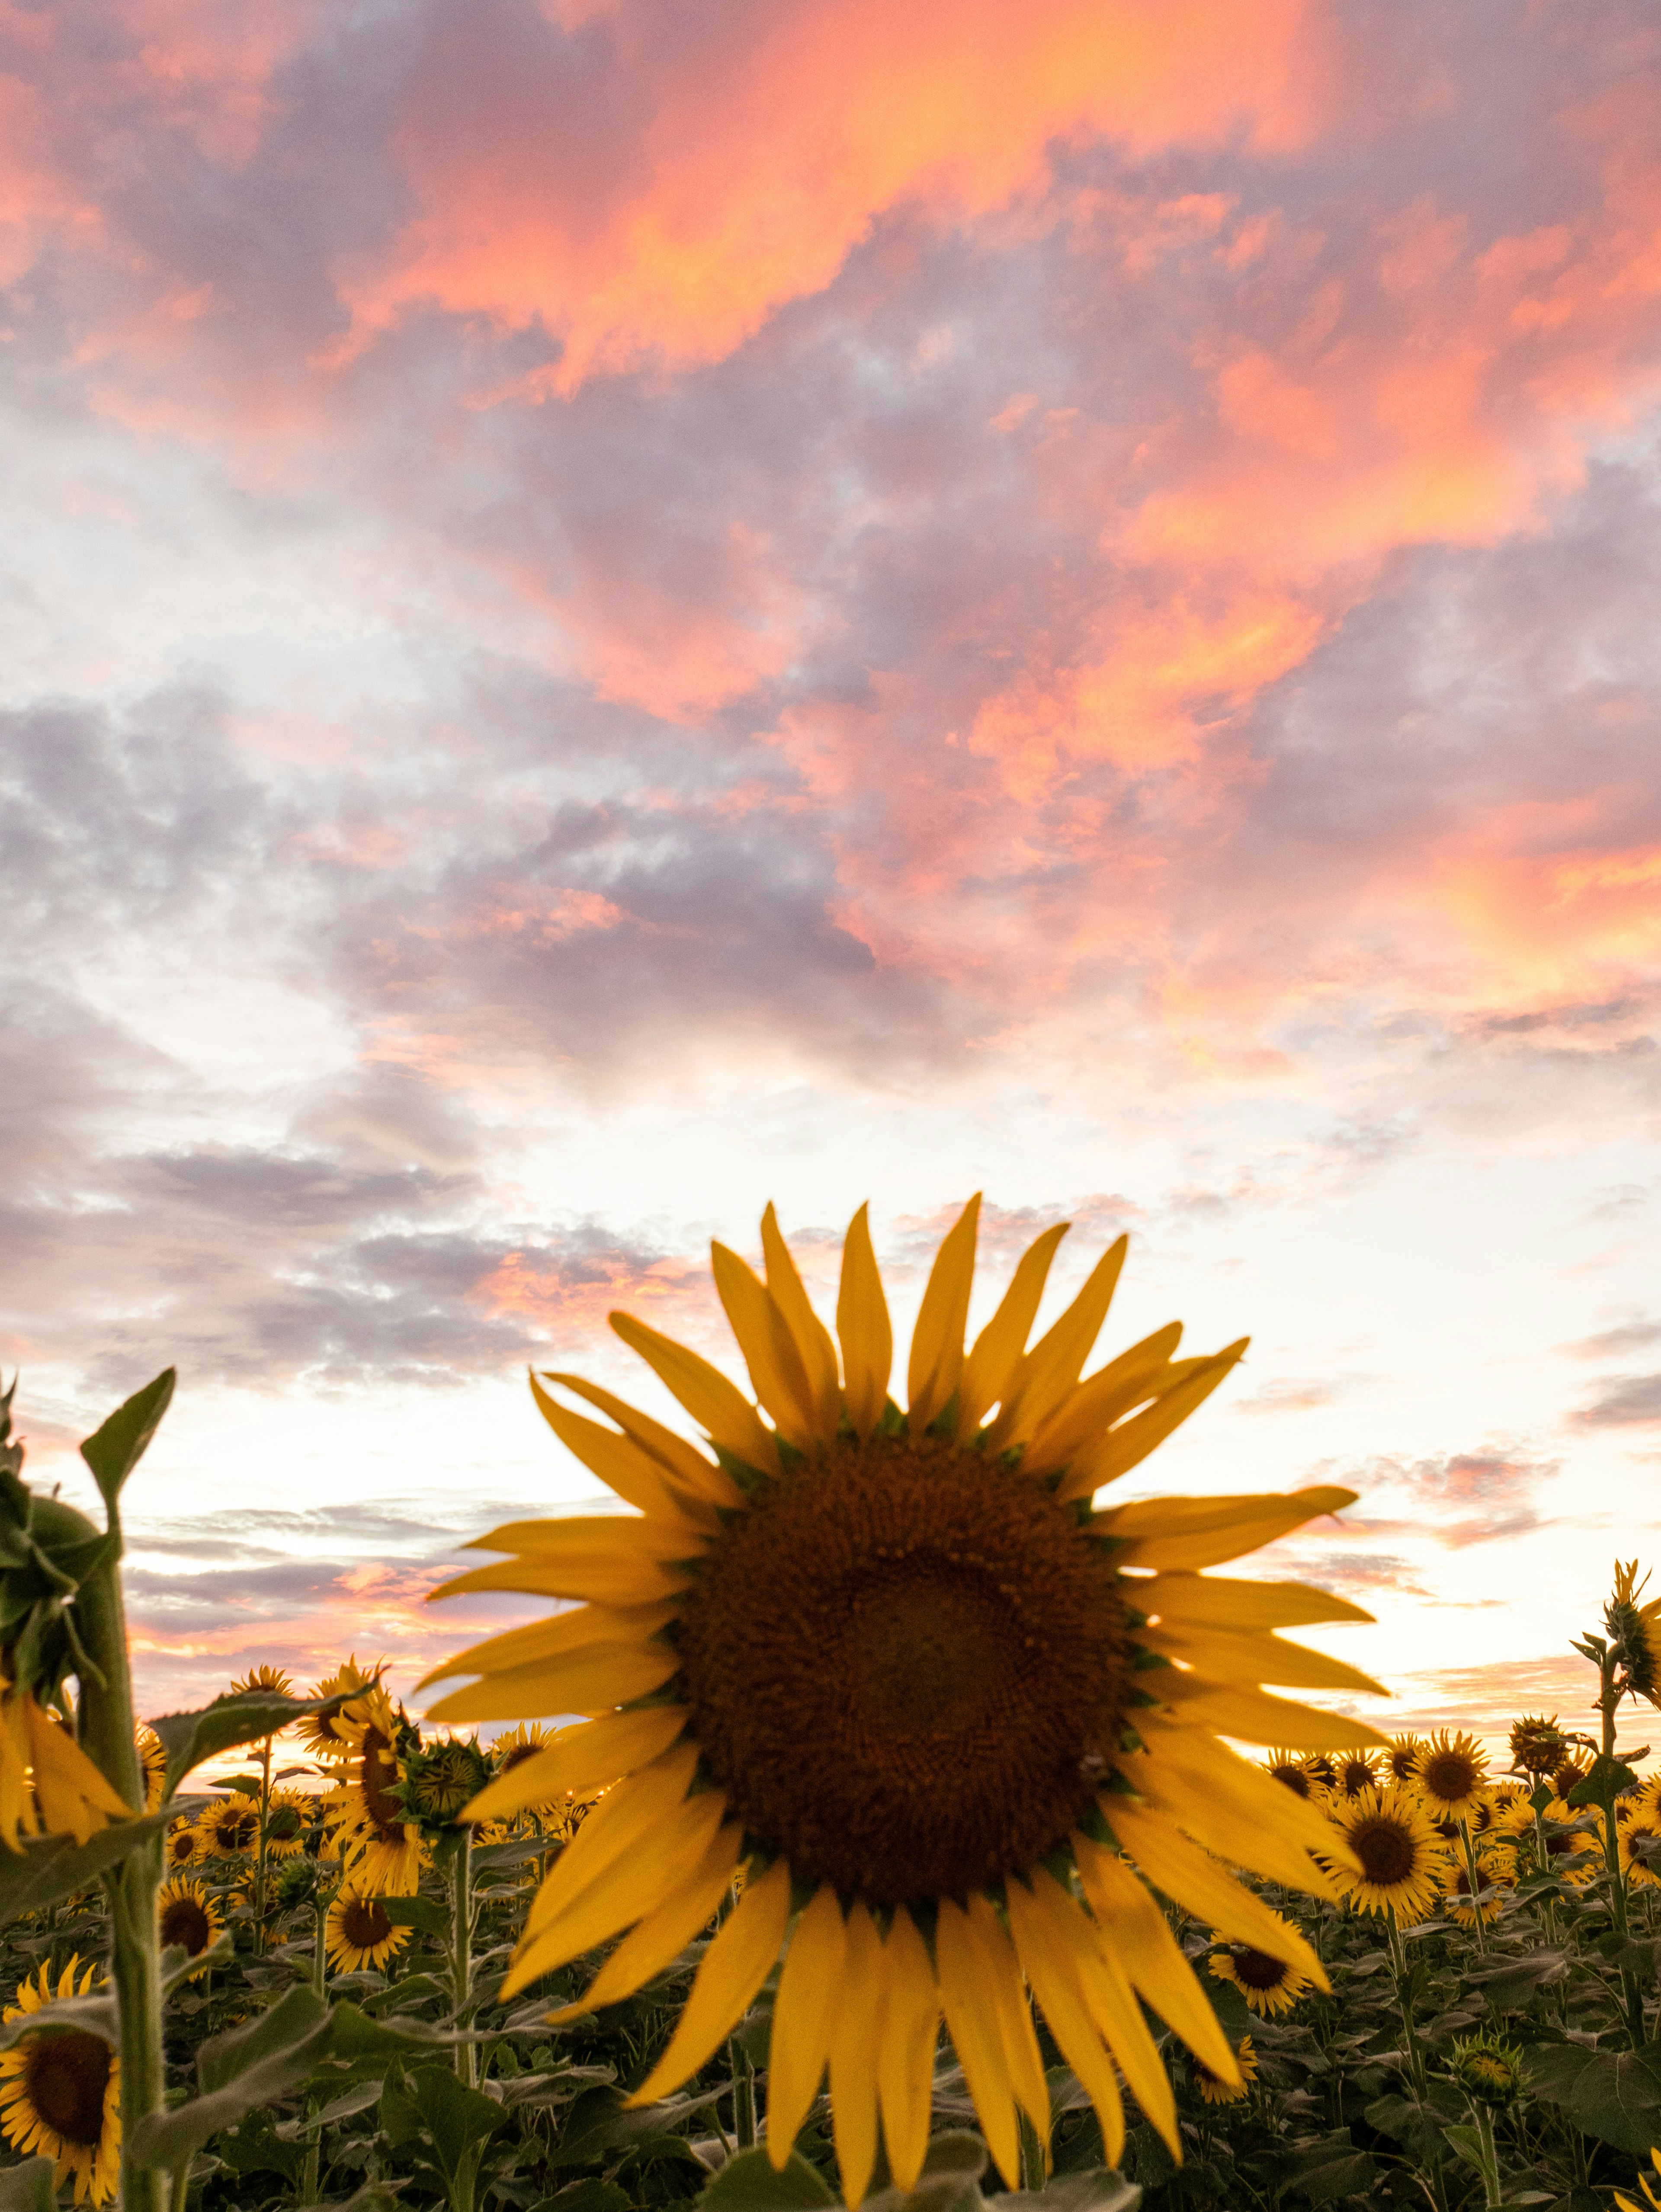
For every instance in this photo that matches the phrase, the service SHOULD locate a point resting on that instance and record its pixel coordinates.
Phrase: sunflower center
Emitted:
(1357, 1776)
(67, 2074)
(1291, 1777)
(1256, 1969)
(907, 1668)
(380, 1771)
(181, 1850)
(184, 1921)
(1386, 1850)
(1448, 1775)
(518, 1756)
(364, 1923)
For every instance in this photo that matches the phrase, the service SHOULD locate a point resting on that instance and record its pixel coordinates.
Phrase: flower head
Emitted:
(1496, 1873)
(152, 1766)
(1289, 1770)
(274, 1679)
(1402, 1757)
(1539, 1746)
(319, 1734)
(60, 2093)
(1636, 1632)
(1403, 1863)
(186, 1916)
(992, 1676)
(357, 1935)
(1450, 1775)
(230, 1826)
(1269, 1984)
(1489, 2069)
(1213, 2089)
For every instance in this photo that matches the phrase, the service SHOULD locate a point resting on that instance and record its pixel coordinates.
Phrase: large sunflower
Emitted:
(1403, 1864)
(186, 1916)
(895, 1668)
(60, 2094)
(1450, 1775)
(319, 1735)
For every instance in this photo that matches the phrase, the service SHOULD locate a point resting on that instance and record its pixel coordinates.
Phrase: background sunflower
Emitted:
(60, 2093)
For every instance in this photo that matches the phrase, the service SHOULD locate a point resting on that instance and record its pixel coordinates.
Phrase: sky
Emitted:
(613, 610)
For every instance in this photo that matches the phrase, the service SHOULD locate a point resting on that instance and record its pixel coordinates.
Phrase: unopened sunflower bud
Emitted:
(1489, 2072)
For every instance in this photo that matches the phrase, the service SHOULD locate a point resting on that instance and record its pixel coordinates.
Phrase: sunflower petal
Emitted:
(1231, 1807)
(1163, 1532)
(973, 2027)
(1129, 1918)
(1014, 2015)
(905, 2048)
(666, 1931)
(936, 1364)
(684, 1464)
(1255, 1716)
(1079, 1426)
(624, 1819)
(856, 2033)
(720, 1407)
(551, 1639)
(810, 1336)
(1257, 1659)
(735, 1967)
(1002, 1345)
(810, 1986)
(633, 1885)
(624, 1468)
(1193, 1878)
(586, 1757)
(591, 1680)
(1128, 1444)
(1053, 1974)
(1217, 1601)
(863, 1327)
(1052, 1368)
(769, 1352)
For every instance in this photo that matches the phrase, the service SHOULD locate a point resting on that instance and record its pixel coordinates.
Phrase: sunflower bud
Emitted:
(1539, 1746)
(1636, 1632)
(1489, 2072)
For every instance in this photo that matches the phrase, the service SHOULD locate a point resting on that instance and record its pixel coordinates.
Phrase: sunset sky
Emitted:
(616, 609)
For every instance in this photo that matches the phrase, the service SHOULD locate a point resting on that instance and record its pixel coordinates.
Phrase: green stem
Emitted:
(744, 2096)
(1404, 2002)
(265, 1826)
(1475, 1880)
(461, 1952)
(1493, 2194)
(1609, 1697)
(1032, 2157)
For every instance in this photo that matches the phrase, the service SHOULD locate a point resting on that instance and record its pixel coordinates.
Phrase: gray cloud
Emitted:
(1626, 1402)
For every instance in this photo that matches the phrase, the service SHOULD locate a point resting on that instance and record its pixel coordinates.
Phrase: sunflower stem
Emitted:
(744, 2096)
(461, 1950)
(264, 1827)
(1404, 2002)
(1475, 1884)
(1493, 2194)
(1032, 2156)
(1609, 1697)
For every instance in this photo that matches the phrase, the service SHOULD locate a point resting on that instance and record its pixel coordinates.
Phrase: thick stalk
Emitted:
(1404, 2004)
(461, 1952)
(1493, 2194)
(744, 2096)
(1632, 1989)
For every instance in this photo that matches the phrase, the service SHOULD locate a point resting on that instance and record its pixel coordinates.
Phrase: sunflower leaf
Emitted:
(52, 1867)
(425, 1913)
(1099, 2190)
(29, 2187)
(750, 2183)
(189, 1738)
(91, 2015)
(115, 1448)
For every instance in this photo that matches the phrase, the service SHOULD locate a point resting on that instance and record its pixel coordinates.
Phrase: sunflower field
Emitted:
(927, 1836)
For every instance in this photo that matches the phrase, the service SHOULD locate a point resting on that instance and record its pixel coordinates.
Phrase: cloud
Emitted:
(1628, 1402)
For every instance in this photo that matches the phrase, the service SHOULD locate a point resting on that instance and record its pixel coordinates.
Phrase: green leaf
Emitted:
(588, 2196)
(1339, 2177)
(356, 2099)
(1468, 2144)
(190, 1738)
(255, 2147)
(240, 2071)
(374, 2197)
(748, 2183)
(1097, 2190)
(1606, 1779)
(597, 2123)
(90, 2016)
(113, 1451)
(57, 1866)
(1508, 1988)
(949, 2181)
(296, 2016)
(457, 2121)
(425, 1913)
(29, 2187)
(1616, 2094)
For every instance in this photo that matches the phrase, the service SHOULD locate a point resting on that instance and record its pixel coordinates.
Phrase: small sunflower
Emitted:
(60, 2094)
(1404, 1863)
(1288, 1769)
(1650, 2198)
(1636, 1822)
(1636, 1632)
(229, 1827)
(1268, 1984)
(1496, 1801)
(1322, 1771)
(152, 1766)
(1213, 2089)
(1568, 1776)
(348, 1678)
(276, 1679)
(357, 1935)
(1537, 1745)
(184, 1847)
(1450, 1775)
(1402, 1756)
(1354, 1771)
(186, 1916)
(288, 1822)
(1573, 1857)
(924, 1599)
(1496, 1873)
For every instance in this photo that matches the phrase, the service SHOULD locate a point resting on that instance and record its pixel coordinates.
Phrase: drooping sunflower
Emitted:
(287, 1823)
(60, 2094)
(1496, 1875)
(152, 1766)
(185, 1846)
(1213, 2089)
(1636, 1632)
(379, 1841)
(1287, 1768)
(358, 1936)
(187, 1916)
(1537, 1745)
(230, 1826)
(1402, 1756)
(1403, 1861)
(894, 1664)
(319, 1734)
(1268, 1984)
(1450, 1775)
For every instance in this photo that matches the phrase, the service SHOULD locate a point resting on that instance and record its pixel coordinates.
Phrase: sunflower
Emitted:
(442, 1778)
(1496, 1872)
(287, 1821)
(1402, 1756)
(378, 1840)
(1217, 2091)
(1288, 1769)
(1626, 2203)
(185, 1846)
(152, 1766)
(60, 2094)
(1268, 1984)
(1568, 1776)
(1537, 1745)
(348, 1678)
(1450, 1775)
(1636, 1632)
(276, 1679)
(229, 1825)
(1494, 1802)
(357, 1935)
(1489, 2069)
(1354, 1771)
(47, 1780)
(185, 1915)
(1573, 1857)
(1403, 1861)
(885, 1663)
(1639, 1821)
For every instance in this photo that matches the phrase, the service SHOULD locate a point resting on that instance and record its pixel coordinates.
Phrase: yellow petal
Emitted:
(586, 1757)
(1004, 1991)
(633, 1885)
(735, 1967)
(1078, 1426)
(810, 1986)
(1132, 1925)
(624, 1468)
(905, 2052)
(720, 1407)
(863, 1327)
(592, 1535)
(1206, 1891)
(1163, 1532)
(1255, 1716)
(683, 1463)
(1000, 1345)
(1232, 1807)
(1218, 1601)
(1133, 1440)
(624, 1818)
(1052, 1971)
(591, 1680)
(1255, 1659)
(1055, 1362)
(551, 1639)
(855, 2035)
(936, 1364)
(976, 2038)
(770, 1350)
(666, 1931)
(810, 1336)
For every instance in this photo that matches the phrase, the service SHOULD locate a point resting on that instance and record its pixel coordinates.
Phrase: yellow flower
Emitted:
(152, 1766)
(1638, 1820)
(292, 1812)
(185, 1846)
(891, 1664)
(317, 1734)
(1450, 1775)
(276, 1679)
(1635, 1630)
(60, 2094)
(1402, 1756)
(1650, 2197)
(1268, 1984)
(1575, 1858)
(185, 1915)
(1537, 1744)
(229, 1825)
(378, 1842)
(1288, 1769)
(357, 1935)
(47, 1780)
(1496, 1872)
(1218, 2091)
(1355, 1771)
(1403, 1861)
